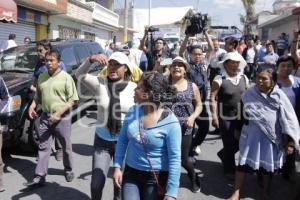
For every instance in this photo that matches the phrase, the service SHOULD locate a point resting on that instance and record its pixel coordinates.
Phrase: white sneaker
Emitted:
(198, 150)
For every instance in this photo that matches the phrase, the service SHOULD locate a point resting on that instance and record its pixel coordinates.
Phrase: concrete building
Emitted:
(65, 19)
(85, 20)
(283, 19)
(104, 21)
(68, 25)
(31, 18)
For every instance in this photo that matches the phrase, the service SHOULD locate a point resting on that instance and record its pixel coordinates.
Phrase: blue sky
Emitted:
(223, 12)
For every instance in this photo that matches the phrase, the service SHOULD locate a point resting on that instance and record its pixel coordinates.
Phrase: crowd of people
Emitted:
(152, 114)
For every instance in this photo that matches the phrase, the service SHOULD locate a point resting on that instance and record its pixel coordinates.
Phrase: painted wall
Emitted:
(275, 29)
(55, 21)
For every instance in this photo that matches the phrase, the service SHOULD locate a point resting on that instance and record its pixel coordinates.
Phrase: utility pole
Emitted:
(198, 5)
(125, 36)
(149, 14)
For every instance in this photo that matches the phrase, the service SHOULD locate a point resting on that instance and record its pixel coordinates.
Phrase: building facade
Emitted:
(65, 19)
(283, 19)
(32, 19)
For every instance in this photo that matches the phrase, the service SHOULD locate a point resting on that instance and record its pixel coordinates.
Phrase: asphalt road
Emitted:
(20, 168)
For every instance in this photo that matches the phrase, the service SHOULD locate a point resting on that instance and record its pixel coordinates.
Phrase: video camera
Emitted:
(152, 29)
(198, 23)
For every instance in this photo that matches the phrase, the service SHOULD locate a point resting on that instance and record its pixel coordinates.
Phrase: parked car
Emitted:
(16, 68)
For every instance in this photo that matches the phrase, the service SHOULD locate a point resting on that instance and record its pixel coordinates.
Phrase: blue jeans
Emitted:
(141, 185)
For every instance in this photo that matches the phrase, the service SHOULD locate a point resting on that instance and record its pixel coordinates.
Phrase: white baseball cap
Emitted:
(120, 57)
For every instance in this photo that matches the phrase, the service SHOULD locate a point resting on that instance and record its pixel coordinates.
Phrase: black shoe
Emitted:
(198, 179)
(220, 154)
(69, 175)
(37, 181)
(215, 132)
(195, 187)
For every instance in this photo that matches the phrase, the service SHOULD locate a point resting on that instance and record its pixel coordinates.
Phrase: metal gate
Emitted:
(20, 29)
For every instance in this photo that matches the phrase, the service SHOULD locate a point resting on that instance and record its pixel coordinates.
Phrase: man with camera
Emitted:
(159, 52)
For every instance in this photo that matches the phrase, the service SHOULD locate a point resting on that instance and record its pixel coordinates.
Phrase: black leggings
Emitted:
(186, 162)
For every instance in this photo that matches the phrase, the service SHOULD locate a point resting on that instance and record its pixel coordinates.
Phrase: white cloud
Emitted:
(227, 3)
(259, 5)
(264, 5)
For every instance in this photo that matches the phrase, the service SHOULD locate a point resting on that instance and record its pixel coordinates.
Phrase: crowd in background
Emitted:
(153, 114)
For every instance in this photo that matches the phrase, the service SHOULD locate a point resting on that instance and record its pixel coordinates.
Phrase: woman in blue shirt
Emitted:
(150, 139)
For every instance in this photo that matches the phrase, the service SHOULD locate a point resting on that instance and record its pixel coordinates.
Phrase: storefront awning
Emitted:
(296, 11)
(8, 11)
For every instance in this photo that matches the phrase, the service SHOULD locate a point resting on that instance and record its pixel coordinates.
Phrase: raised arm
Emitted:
(210, 47)
(82, 72)
(183, 46)
(142, 43)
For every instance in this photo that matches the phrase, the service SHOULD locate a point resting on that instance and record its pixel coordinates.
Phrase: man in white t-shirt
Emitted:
(250, 54)
(217, 56)
(10, 43)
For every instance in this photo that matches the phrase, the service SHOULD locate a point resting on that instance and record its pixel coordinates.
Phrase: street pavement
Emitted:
(19, 168)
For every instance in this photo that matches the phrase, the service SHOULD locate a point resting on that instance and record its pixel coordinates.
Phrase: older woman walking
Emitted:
(227, 90)
(269, 130)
